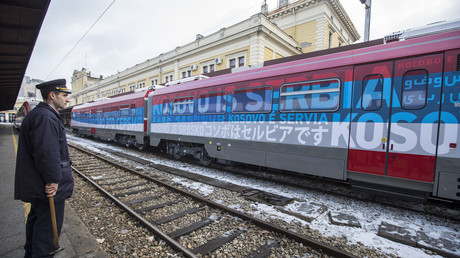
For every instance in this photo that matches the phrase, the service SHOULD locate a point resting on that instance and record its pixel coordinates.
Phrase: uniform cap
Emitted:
(58, 85)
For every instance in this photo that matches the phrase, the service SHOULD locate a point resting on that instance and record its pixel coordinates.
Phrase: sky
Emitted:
(132, 31)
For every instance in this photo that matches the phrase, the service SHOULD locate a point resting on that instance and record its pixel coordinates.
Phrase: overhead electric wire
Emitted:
(79, 40)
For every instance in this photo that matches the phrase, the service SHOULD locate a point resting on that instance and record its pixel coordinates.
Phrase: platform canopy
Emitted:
(20, 23)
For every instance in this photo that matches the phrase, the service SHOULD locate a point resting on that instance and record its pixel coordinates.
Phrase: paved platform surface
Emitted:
(75, 238)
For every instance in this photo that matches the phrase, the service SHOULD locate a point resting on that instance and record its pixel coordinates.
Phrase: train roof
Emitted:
(130, 96)
(31, 102)
(364, 53)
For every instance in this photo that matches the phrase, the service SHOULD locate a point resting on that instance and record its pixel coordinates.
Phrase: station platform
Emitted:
(75, 238)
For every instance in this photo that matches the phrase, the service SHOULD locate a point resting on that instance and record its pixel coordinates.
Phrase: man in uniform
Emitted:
(43, 168)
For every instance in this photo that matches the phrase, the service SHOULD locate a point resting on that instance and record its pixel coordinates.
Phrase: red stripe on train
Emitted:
(407, 166)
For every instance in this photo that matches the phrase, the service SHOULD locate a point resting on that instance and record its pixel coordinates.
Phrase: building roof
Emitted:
(20, 23)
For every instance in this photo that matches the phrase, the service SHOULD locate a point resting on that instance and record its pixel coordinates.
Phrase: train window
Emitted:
(456, 93)
(415, 84)
(372, 92)
(310, 96)
(133, 109)
(183, 106)
(212, 103)
(456, 96)
(106, 111)
(114, 111)
(124, 110)
(21, 111)
(99, 113)
(166, 107)
(253, 100)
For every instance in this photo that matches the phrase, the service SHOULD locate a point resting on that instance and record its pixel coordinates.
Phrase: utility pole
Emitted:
(367, 21)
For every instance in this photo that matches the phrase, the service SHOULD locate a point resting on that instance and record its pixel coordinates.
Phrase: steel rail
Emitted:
(174, 244)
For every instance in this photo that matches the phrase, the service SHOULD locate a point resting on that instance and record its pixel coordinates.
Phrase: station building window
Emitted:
(186, 73)
(236, 59)
(232, 63)
(240, 61)
(330, 39)
(132, 87)
(208, 67)
(168, 77)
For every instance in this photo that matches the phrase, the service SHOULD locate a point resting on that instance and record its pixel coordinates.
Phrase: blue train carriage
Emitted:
(383, 117)
(122, 119)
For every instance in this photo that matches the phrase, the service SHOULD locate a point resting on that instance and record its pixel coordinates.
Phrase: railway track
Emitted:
(435, 207)
(190, 224)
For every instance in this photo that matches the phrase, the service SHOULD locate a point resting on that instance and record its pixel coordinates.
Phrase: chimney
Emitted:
(264, 8)
(282, 3)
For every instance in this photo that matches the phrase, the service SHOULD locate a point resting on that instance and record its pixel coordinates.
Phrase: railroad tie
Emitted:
(118, 182)
(187, 230)
(215, 243)
(134, 192)
(148, 198)
(264, 251)
(157, 206)
(127, 187)
(177, 215)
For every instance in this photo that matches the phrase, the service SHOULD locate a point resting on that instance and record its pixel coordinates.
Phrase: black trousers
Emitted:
(39, 229)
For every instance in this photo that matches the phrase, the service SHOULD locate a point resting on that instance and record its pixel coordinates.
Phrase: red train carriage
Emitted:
(26, 107)
(122, 119)
(385, 117)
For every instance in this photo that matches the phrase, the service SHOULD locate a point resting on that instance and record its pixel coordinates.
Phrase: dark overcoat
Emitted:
(43, 156)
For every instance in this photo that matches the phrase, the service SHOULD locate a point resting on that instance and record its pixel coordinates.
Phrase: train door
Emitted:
(415, 118)
(370, 112)
(395, 118)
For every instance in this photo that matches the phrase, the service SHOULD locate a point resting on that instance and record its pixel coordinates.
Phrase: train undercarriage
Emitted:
(180, 149)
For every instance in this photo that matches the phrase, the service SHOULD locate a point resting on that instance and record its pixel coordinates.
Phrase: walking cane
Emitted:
(57, 248)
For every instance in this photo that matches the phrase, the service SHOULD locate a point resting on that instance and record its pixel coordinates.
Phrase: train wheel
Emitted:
(206, 161)
(177, 156)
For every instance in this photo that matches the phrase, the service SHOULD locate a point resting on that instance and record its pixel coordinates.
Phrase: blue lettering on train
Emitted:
(261, 107)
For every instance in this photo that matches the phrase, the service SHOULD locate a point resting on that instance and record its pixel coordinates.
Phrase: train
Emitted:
(25, 108)
(383, 116)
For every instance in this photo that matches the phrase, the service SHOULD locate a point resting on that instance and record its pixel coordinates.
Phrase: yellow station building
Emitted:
(293, 28)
